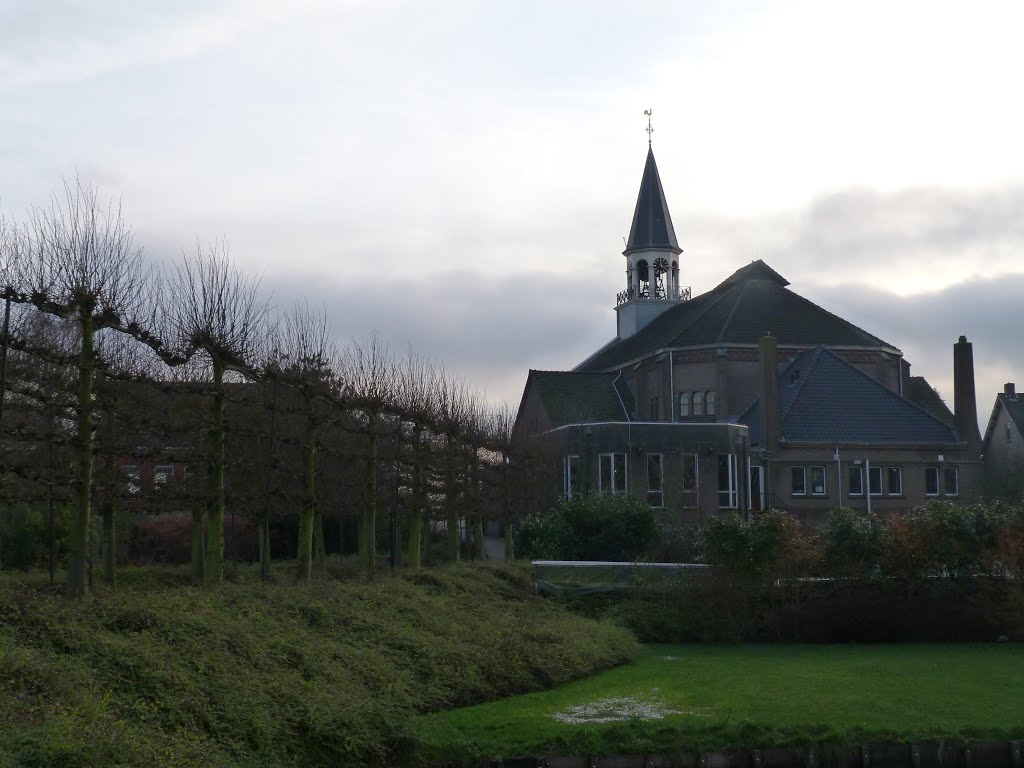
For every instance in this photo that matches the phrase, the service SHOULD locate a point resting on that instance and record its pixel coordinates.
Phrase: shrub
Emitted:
(590, 527)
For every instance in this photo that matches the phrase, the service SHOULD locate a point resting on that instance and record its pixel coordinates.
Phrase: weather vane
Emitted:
(649, 129)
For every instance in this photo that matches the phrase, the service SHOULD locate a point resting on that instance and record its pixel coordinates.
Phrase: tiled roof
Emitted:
(824, 399)
(749, 303)
(573, 398)
(920, 393)
(1014, 409)
(652, 223)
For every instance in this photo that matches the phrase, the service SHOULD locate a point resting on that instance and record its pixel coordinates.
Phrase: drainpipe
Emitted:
(867, 481)
(671, 387)
(839, 478)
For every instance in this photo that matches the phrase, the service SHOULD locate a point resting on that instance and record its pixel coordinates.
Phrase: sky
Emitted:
(459, 176)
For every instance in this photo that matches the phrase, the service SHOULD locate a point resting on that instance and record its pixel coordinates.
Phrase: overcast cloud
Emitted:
(460, 175)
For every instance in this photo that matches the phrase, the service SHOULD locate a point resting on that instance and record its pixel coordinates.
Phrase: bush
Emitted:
(590, 527)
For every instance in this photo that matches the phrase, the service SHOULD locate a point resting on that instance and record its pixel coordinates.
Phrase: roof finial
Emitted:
(649, 129)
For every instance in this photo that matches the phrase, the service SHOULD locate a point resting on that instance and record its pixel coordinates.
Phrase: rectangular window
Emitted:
(689, 472)
(163, 473)
(875, 481)
(655, 481)
(952, 478)
(571, 475)
(727, 481)
(856, 479)
(818, 481)
(799, 475)
(895, 481)
(612, 473)
(931, 481)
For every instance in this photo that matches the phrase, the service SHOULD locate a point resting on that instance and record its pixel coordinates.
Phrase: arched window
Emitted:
(698, 403)
(709, 402)
(684, 404)
(642, 271)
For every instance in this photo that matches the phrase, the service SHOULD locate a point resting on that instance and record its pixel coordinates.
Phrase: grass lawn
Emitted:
(715, 697)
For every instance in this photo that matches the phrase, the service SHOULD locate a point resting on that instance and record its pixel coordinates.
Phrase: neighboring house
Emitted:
(680, 376)
(1003, 446)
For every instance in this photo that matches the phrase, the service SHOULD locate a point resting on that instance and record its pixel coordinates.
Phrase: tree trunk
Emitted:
(79, 544)
(415, 545)
(214, 570)
(506, 506)
(198, 544)
(477, 507)
(368, 524)
(109, 544)
(451, 507)
(305, 553)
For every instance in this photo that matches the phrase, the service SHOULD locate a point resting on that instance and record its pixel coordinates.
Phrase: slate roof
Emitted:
(824, 399)
(921, 393)
(752, 301)
(652, 223)
(1014, 409)
(573, 398)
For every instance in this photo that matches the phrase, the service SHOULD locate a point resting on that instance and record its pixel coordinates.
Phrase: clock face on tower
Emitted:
(660, 266)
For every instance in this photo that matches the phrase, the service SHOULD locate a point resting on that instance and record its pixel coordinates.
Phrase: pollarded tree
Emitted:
(77, 259)
(307, 360)
(217, 310)
(454, 405)
(369, 373)
(417, 394)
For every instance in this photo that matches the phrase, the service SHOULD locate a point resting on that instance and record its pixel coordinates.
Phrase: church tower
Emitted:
(652, 258)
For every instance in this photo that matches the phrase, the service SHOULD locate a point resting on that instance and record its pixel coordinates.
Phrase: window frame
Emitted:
(894, 471)
(658, 494)
(731, 491)
(613, 466)
(855, 470)
(824, 480)
(698, 403)
(803, 480)
(696, 473)
(570, 469)
(710, 401)
(684, 404)
(932, 470)
(956, 481)
(881, 477)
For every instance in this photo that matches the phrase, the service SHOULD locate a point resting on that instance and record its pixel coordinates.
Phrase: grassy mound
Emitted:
(707, 697)
(272, 675)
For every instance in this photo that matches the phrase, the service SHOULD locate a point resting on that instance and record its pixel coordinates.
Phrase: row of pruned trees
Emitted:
(112, 355)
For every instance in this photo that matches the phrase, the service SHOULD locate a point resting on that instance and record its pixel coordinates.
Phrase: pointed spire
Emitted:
(652, 224)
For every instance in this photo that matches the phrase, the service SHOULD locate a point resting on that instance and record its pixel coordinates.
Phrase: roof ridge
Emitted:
(842, 320)
(712, 302)
(732, 312)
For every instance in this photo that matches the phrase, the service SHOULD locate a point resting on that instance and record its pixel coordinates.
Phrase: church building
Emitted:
(745, 397)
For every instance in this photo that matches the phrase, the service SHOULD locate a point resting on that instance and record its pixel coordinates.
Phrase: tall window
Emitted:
(709, 403)
(571, 475)
(856, 476)
(655, 480)
(684, 403)
(727, 481)
(698, 403)
(655, 415)
(799, 481)
(818, 481)
(689, 472)
(895, 481)
(952, 478)
(875, 481)
(131, 474)
(931, 481)
(612, 474)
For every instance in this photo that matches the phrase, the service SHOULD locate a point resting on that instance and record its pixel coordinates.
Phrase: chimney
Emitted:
(965, 404)
(769, 358)
(1010, 390)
